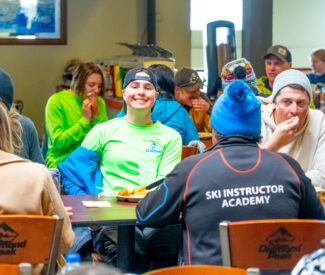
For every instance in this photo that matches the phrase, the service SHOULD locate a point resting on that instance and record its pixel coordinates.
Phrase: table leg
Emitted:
(125, 247)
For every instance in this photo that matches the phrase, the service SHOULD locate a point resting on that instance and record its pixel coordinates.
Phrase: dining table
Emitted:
(120, 213)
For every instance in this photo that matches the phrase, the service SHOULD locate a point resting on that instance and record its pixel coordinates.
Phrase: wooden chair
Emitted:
(9, 269)
(197, 269)
(269, 244)
(188, 151)
(30, 238)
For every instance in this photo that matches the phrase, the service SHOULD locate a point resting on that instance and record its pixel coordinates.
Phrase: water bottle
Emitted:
(25, 269)
(72, 261)
(253, 271)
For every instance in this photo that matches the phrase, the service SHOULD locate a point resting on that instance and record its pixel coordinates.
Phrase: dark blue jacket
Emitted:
(234, 180)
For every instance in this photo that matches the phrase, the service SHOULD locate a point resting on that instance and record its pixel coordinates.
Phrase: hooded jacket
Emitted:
(170, 113)
(308, 146)
(87, 179)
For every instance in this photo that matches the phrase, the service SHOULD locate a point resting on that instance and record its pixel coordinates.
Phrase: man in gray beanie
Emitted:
(290, 126)
(30, 143)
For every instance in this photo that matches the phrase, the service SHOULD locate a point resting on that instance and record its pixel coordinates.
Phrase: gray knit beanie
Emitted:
(6, 89)
(288, 77)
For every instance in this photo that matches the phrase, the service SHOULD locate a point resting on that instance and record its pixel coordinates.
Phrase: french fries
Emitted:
(131, 191)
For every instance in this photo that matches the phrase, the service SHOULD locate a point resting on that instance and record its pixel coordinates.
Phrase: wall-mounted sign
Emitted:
(33, 22)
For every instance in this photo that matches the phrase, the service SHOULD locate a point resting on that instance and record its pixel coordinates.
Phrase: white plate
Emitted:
(132, 198)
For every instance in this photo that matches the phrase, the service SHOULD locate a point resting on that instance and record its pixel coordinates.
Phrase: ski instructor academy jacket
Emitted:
(234, 180)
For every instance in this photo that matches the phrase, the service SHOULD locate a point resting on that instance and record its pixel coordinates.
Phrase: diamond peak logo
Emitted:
(280, 245)
(281, 236)
(154, 148)
(7, 234)
(7, 237)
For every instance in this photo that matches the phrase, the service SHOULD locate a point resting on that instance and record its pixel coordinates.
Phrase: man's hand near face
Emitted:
(283, 134)
(199, 104)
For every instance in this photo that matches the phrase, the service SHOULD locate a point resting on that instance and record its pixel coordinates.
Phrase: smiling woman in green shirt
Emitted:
(71, 114)
(134, 149)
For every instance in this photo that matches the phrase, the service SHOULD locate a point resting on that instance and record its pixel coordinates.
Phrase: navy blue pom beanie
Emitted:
(237, 111)
(6, 89)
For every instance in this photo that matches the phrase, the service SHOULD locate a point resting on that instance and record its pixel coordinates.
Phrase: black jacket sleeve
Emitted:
(163, 206)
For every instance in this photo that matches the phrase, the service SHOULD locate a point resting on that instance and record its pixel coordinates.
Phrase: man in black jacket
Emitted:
(233, 180)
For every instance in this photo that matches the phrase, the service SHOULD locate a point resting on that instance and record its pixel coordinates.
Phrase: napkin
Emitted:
(91, 204)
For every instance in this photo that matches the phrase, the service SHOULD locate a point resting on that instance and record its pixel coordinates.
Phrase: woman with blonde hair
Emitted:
(27, 187)
(6, 143)
(10, 131)
(71, 114)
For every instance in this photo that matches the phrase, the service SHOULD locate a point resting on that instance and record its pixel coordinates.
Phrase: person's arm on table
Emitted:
(69, 210)
(163, 205)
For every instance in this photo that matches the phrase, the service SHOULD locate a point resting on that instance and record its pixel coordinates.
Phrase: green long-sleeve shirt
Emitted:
(66, 127)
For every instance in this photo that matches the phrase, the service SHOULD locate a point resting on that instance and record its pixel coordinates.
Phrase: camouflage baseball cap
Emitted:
(188, 79)
(279, 51)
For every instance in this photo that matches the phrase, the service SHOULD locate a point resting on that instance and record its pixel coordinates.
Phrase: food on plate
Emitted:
(205, 135)
(131, 191)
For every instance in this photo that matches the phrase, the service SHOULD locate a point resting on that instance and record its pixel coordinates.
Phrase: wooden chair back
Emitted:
(197, 269)
(269, 244)
(30, 238)
(188, 151)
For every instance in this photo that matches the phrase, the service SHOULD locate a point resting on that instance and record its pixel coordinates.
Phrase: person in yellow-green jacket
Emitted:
(277, 59)
(71, 114)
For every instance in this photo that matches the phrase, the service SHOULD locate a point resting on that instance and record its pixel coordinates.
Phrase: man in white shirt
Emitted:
(290, 126)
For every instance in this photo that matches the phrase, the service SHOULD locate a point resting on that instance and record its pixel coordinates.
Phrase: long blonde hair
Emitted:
(16, 130)
(6, 143)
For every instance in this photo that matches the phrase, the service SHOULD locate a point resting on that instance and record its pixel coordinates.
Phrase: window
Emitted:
(205, 11)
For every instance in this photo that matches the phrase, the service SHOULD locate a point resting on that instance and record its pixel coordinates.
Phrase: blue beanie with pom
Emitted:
(237, 111)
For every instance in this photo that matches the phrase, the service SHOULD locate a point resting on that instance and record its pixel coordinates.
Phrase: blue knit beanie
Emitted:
(237, 111)
(6, 89)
